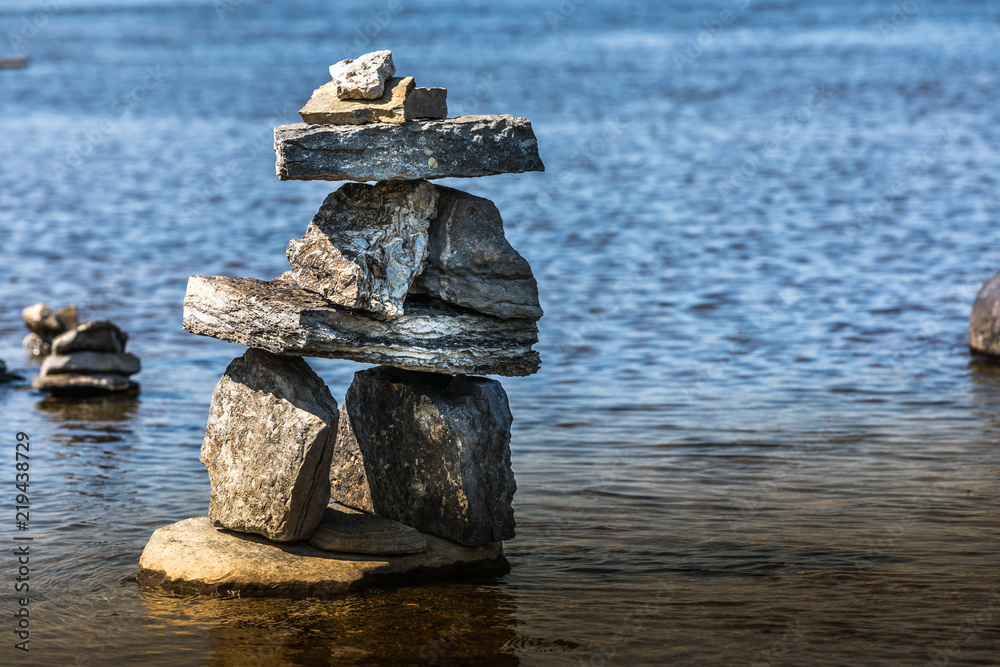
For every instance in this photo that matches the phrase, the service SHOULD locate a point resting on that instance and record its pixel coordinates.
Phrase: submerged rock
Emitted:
(984, 324)
(271, 431)
(350, 531)
(464, 147)
(362, 78)
(123, 363)
(402, 101)
(366, 245)
(284, 318)
(435, 452)
(96, 336)
(471, 264)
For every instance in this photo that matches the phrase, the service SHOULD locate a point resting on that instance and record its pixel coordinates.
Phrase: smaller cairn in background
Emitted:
(5, 376)
(79, 359)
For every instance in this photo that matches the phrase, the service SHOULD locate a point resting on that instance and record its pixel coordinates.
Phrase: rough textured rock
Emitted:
(471, 264)
(466, 147)
(350, 531)
(37, 346)
(362, 78)
(984, 325)
(282, 317)
(93, 384)
(366, 245)
(347, 470)
(193, 556)
(271, 431)
(97, 336)
(435, 451)
(402, 101)
(123, 363)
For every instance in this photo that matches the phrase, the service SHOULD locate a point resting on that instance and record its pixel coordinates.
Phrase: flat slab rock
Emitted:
(90, 384)
(465, 147)
(271, 430)
(194, 556)
(984, 324)
(123, 363)
(350, 531)
(284, 318)
(402, 101)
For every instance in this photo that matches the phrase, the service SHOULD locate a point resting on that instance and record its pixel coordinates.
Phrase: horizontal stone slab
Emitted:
(350, 531)
(401, 102)
(193, 556)
(465, 147)
(281, 317)
(85, 385)
(123, 363)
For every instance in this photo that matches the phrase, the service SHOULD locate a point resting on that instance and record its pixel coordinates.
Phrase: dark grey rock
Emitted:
(271, 432)
(97, 336)
(435, 451)
(350, 531)
(366, 245)
(466, 147)
(471, 264)
(984, 324)
(284, 318)
(123, 363)
(89, 384)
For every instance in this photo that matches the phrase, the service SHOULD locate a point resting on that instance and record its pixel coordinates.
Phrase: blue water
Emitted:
(757, 436)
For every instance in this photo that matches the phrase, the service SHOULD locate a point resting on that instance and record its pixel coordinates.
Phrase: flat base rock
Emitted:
(96, 384)
(281, 317)
(193, 556)
(350, 531)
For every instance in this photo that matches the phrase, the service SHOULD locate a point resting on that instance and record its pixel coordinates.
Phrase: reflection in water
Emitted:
(97, 409)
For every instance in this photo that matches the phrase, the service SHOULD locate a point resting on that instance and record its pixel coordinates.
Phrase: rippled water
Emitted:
(757, 436)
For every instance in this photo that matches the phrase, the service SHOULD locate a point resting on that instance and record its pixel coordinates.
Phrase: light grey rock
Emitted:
(350, 531)
(37, 346)
(271, 431)
(984, 324)
(402, 101)
(123, 363)
(471, 264)
(435, 451)
(465, 147)
(284, 318)
(96, 336)
(194, 556)
(362, 78)
(90, 384)
(366, 245)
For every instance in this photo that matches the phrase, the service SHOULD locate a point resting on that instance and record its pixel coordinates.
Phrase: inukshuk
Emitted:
(412, 276)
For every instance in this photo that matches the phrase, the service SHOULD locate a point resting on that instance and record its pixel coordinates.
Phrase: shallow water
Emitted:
(757, 436)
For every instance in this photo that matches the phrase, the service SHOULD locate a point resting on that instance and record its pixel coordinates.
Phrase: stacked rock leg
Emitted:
(402, 273)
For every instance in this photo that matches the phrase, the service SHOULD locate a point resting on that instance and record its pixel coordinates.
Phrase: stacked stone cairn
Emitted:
(87, 359)
(414, 277)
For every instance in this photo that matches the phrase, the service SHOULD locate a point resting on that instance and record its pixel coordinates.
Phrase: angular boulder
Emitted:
(271, 430)
(284, 318)
(464, 147)
(96, 336)
(471, 264)
(124, 363)
(349, 531)
(366, 245)
(362, 78)
(435, 451)
(984, 324)
(402, 101)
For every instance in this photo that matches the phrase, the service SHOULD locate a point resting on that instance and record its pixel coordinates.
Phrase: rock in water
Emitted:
(435, 451)
(282, 317)
(984, 325)
(124, 363)
(68, 317)
(350, 531)
(271, 431)
(89, 384)
(36, 345)
(471, 264)
(366, 245)
(464, 147)
(41, 321)
(362, 78)
(402, 101)
(97, 336)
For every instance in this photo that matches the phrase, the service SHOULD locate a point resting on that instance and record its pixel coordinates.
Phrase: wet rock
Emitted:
(402, 101)
(435, 450)
(471, 264)
(284, 318)
(37, 346)
(984, 324)
(122, 363)
(362, 78)
(96, 336)
(5, 376)
(271, 431)
(42, 321)
(350, 531)
(92, 384)
(465, 147)
(194, 556)
(366, 245)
